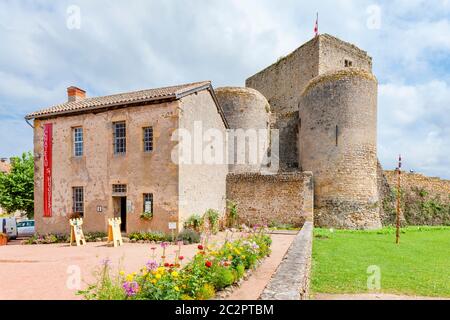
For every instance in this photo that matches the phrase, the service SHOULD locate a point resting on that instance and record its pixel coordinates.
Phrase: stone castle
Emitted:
(323, 100)
(112, 156)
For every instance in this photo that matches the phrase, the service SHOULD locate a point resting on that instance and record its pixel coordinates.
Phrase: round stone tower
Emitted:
(338, 143)
(248, 114)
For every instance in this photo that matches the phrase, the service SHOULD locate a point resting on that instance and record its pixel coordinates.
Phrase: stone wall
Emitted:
(338, 140)
(272, 199)
(424, 200)
(99, 168)
(248, 115)
(283, 82)
(292, 278)
(202, 186)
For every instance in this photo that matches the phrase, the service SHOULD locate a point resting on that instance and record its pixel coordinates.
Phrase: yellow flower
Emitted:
(174, 274)
(154, 281)
(161, 269)
(122, 273)
(176, 288)
(230, 257)
(243, 257)
(158, 276)
(130, 277)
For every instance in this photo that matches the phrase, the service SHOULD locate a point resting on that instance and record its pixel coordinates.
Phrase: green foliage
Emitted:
(47, 239)
(194, 222)
(417, 266)
(212, 216)
(418, 207)
(209, 270)
(150, 236)
(17, 187)
(223, 277)
(106, 288)
(146, 216)
(189, 236)
(233, 215)
(93, 236)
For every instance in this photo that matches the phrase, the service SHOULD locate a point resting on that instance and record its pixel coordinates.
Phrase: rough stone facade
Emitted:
(248, 115)
(283, 82)
(424, 200)
(286, 198)
(338, 143)
(155, 172)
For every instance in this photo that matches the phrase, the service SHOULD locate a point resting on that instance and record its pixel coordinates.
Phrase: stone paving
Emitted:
(44, 271)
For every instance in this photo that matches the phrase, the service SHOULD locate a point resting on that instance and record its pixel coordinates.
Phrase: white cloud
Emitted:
(126, 45)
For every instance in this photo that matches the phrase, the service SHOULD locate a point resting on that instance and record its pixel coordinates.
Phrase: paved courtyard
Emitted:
(47, 271)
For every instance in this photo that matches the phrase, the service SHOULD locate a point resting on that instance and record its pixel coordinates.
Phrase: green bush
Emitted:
(223, 277)
(194, 222)
(213, 220)
(47, 239)
(210, 269)
(93, 236)
(189, 236)
(150, 236)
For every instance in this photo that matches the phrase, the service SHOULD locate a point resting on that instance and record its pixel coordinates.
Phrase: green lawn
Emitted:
(420, 265)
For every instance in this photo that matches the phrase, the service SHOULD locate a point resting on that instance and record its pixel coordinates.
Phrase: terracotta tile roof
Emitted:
(166, 93)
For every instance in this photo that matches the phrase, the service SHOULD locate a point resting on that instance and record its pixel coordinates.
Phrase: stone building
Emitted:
(314, 113)
(116, 156)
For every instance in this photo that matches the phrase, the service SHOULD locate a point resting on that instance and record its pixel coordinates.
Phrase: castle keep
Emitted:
(315, 114)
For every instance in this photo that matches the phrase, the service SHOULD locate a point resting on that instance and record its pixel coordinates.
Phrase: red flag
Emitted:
(48, 137)
(316, 27)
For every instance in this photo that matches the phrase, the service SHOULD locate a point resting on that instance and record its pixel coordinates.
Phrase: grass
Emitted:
(420, 265)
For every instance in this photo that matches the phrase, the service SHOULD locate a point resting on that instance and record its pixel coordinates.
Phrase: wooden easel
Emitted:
(114, 233)
(76, 232)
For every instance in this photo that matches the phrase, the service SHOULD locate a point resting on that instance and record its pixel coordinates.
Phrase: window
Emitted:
(348, 63)
(119, 188)
(77, 142)
(78, 200)
(148, 202)
(148, 139)
(120, 138)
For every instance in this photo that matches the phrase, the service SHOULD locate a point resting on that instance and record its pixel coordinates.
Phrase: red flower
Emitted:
(166, 264)
(208, 264)
(171, 265)
(200, 247)
(181, 258)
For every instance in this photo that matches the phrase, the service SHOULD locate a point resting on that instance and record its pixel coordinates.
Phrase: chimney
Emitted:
(75, 94)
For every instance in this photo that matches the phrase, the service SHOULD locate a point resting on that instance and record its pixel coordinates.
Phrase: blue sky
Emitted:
(130, 45)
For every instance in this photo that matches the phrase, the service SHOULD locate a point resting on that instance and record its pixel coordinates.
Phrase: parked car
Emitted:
(25, 228)
(9, 227)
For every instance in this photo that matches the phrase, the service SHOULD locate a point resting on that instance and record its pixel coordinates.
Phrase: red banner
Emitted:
(48, 139)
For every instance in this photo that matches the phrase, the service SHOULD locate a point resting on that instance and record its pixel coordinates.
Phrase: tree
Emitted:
(17, 186)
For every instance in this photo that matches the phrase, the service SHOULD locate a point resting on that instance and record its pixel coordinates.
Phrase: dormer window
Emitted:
(348, 63)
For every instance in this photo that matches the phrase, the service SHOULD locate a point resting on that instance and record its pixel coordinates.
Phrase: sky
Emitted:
(107, 47)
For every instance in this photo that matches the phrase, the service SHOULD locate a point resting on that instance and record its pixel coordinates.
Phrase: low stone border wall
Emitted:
(291, 280)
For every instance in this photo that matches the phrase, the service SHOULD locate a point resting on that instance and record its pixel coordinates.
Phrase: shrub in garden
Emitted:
(150, 236)
(93, 236)
(189, 236)
(212, 216)
(211, 269)
(194, 222)
(47, 239)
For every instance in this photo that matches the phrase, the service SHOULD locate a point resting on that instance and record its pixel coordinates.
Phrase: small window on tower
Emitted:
(348, 63)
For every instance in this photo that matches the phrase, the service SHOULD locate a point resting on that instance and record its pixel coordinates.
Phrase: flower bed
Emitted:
(210, 270)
